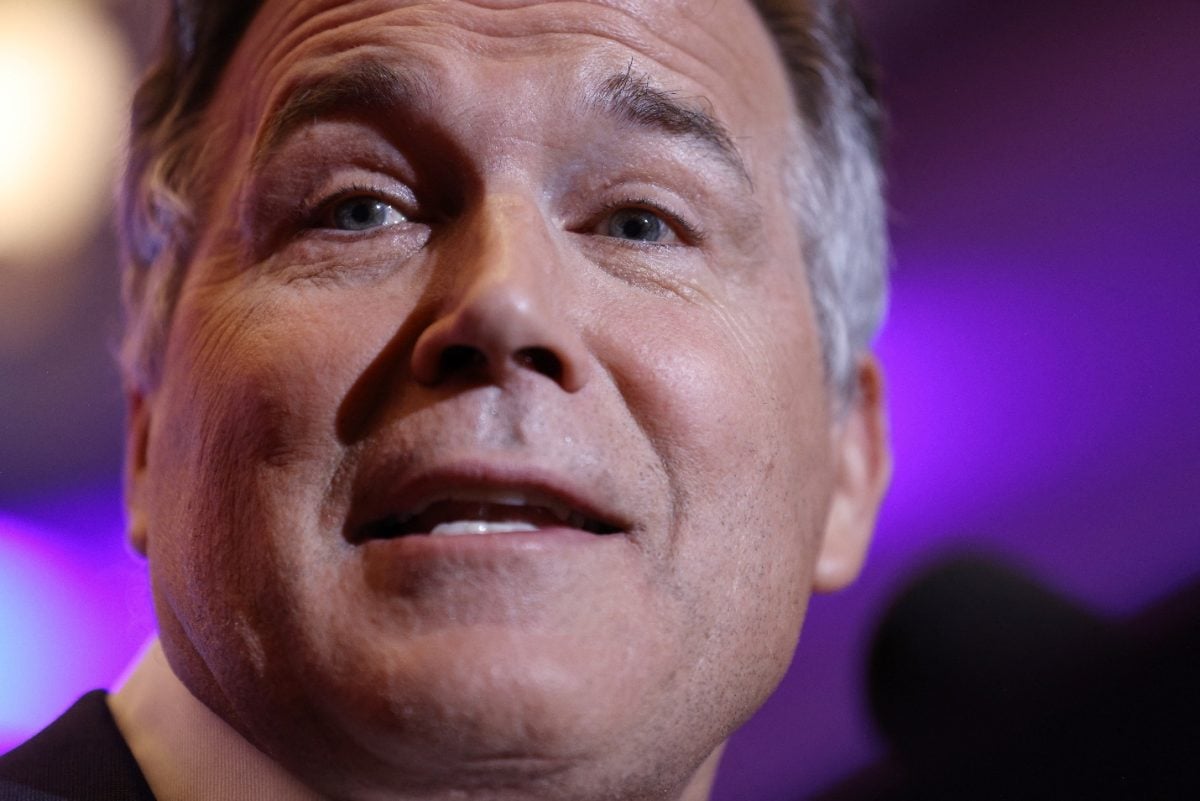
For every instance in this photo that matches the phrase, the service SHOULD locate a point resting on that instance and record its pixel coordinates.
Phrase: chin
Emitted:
(486, 707)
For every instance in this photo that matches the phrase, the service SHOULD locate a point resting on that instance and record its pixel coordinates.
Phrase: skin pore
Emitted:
(526, 267)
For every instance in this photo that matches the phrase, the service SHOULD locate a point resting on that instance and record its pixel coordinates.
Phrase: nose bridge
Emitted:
(501, 312)
(508, 251)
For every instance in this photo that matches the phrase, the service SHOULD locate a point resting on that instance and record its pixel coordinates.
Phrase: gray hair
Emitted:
(834, 175)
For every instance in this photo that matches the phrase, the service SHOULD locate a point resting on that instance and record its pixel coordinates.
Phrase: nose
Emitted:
(504, 309)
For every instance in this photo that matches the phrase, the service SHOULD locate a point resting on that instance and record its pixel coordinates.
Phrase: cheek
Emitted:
(736, 415)
(721, 398)
(271, 365)
(243, 447)
(246, 391)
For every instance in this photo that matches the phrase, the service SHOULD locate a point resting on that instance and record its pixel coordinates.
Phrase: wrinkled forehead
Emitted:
(715, 52)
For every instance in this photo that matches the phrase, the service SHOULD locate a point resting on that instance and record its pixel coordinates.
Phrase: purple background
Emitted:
(1042, 350)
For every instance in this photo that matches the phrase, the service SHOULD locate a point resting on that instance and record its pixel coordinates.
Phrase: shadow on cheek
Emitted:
(381, 383)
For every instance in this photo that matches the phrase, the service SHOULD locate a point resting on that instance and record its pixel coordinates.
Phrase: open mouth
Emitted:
(483, 512)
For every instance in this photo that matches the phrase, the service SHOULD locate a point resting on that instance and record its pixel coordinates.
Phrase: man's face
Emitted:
(493, 444)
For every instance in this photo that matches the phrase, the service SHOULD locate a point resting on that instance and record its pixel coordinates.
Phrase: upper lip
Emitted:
(388, 509)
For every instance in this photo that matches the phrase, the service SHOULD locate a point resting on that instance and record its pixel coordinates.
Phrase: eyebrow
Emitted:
(637, 101)
(369, 85)
(365, 85)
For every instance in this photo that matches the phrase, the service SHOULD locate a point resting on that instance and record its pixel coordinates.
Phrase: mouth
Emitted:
(456, 512)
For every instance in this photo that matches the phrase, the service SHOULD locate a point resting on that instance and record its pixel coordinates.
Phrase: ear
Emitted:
(137, 442)
(863, 459)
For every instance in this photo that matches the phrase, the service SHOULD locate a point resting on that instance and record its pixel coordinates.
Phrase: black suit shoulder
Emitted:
(79, 757)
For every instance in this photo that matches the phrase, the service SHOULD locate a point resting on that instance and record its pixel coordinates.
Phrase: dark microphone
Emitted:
(987, 684)
(970, 649)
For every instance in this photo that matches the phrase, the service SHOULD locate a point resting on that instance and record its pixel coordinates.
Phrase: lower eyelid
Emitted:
(390, 245)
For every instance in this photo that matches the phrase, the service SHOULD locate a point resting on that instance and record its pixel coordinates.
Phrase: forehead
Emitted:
(519, 55)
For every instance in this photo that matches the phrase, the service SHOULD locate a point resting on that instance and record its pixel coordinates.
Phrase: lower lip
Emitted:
(417, 546)
(415, 563)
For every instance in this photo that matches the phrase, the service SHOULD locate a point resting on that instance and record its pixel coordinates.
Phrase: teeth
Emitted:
(459, 527)
(502, 498)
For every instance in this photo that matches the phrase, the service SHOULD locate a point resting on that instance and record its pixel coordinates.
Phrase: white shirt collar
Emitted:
(185, 750)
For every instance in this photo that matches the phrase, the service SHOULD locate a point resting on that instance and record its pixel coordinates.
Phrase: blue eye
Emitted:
(637, 225)
(363, 213)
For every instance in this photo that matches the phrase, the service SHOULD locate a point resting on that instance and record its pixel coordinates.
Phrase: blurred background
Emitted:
(1042, 345)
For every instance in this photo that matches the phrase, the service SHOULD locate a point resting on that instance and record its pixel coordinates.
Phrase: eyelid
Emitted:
(316, 212)
(688, 233)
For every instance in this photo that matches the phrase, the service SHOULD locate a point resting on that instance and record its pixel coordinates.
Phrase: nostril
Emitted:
(540, 360)
(467, 362)
(458, 359)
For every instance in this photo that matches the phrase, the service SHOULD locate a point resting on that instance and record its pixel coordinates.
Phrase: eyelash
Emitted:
(691, 234)
(316, 213)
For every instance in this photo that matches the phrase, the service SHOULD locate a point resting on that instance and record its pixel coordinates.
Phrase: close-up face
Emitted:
(493, 442)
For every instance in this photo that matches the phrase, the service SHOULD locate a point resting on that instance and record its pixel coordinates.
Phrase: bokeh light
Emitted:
(64, 75)
(70, 614)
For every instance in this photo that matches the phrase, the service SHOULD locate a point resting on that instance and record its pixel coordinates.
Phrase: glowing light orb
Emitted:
(64, 77)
